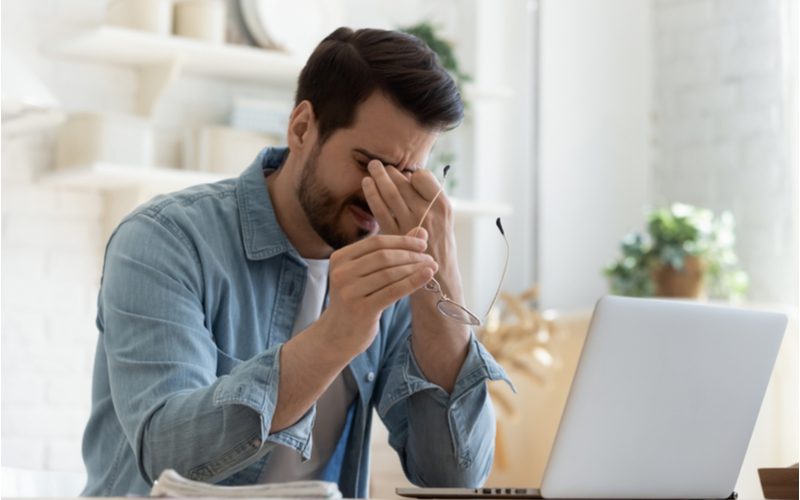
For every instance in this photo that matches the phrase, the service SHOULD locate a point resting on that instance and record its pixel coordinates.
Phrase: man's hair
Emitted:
(348, 66)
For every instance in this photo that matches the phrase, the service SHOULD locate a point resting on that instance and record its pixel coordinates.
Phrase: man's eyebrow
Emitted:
(373, 156)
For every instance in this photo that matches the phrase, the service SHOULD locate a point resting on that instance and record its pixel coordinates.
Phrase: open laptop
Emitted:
(663, 404)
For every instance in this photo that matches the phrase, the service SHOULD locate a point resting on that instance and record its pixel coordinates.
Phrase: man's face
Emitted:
(330, 191)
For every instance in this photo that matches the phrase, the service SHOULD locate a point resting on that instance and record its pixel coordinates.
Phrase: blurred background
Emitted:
(632, 147)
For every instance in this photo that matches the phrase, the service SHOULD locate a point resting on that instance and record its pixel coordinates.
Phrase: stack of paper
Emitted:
(172, 484)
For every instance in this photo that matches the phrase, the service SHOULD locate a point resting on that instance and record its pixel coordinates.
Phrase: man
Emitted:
(248, 327)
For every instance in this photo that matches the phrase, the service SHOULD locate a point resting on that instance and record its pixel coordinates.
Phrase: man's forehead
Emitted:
(386, 132)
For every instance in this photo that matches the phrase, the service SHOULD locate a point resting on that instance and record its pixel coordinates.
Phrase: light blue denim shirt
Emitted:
(199, 292)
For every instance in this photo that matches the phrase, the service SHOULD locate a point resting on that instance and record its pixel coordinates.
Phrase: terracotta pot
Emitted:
(686, 282)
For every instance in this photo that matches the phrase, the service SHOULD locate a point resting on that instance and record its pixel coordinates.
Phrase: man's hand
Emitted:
(369, 276)
(365, 278)
(399, 201)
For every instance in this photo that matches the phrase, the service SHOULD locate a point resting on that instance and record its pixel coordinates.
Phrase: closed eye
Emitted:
(362, 164)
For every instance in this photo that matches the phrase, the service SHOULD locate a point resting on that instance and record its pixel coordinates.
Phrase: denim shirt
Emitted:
(199, 292)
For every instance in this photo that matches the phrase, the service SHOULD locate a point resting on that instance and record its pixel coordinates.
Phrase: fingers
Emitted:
(379, 242)
(418, 233)
(391, 191)
(393, 274)
(399, 201)
(425, 183)
(385, 259)
(384, 297)
(372, 255)
(389, 273)
(369, 275)
(401, 181)
(390, 276)
(384, 216)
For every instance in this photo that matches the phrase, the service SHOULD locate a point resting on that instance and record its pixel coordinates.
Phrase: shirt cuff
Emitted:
(254, 384)
(298, 435)
(478, 367)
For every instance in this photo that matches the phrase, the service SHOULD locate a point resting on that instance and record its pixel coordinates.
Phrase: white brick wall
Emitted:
(50, 251)
(52, 245)
(720, 134)
(53, 238)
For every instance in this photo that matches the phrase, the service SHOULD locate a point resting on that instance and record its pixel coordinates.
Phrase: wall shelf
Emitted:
(161, 59)
(109, 44)
(109, 176)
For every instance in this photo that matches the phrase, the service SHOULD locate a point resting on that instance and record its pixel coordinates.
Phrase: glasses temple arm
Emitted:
(425, 214)
(505, 268)
(430, 205)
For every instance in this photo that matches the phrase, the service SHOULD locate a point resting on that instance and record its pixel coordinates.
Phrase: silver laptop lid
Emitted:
(664, 400)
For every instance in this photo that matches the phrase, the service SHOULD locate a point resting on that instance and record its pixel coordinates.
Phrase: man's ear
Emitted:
(302, 127)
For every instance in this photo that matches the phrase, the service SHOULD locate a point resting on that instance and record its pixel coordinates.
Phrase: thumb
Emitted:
(418, 232)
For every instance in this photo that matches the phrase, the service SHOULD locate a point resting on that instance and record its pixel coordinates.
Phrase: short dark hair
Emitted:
(348, 66)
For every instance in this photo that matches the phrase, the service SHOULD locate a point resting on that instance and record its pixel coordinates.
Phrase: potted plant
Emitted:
(686, 252)
(428, 33)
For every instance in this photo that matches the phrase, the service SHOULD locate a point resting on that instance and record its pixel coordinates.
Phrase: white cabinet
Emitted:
(160, 60)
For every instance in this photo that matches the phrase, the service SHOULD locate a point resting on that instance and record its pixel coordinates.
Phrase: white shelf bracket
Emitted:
(153, 82)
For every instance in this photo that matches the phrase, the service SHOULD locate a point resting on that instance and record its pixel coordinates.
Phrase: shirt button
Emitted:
(370, 376)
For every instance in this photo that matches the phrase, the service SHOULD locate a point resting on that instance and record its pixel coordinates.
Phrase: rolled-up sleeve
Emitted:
(175, 411)
(443, 439)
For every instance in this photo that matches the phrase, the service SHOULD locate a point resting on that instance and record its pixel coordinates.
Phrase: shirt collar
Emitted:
(262, 235)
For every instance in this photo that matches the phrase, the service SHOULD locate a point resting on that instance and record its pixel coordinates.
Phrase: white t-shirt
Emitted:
(284, 463)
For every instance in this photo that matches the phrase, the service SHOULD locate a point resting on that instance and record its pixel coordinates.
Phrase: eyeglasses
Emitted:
(447, 306)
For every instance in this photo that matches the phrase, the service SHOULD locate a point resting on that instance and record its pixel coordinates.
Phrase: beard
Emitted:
(323, 211)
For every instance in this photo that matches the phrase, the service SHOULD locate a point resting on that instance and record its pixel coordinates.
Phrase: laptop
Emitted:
(663, 403)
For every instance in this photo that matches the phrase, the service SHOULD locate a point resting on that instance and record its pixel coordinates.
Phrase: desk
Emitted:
(206, 498)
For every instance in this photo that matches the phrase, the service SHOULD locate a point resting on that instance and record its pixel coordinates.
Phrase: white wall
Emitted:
(594, 133)
(51, 254)
(53, 237)
(51, 251)
(721, 140)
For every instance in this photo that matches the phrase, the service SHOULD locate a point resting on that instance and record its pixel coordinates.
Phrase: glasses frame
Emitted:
(444, 303)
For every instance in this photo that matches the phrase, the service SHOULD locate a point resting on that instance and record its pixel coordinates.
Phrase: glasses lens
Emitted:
(457, 312)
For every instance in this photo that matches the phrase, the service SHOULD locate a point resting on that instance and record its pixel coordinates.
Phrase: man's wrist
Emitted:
(449, 279)
(448, 275)
(351, 338)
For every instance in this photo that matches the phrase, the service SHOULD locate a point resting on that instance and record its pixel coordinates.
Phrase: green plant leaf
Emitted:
(674, 233)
